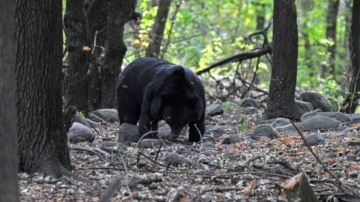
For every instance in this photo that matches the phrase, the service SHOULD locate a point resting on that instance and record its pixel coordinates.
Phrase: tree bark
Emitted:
(97, 15)
(76, 27)
(9, 190)
(157, 32)
(331, 17)
(119, 12)
(281, 101)
(41, 135)
(350, 103)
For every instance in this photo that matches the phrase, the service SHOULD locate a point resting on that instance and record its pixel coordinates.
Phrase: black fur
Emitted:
(150, 89)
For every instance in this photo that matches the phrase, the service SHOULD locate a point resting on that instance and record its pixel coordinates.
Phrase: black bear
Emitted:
(151, 89)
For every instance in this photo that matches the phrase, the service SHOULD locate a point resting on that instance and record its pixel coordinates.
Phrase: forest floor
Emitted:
(247, 170)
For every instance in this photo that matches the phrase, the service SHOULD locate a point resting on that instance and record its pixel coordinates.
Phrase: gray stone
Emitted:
(80, 133)
(208, 145)
(217, 132)
(164, 131)
(354, 117)
(95, 117)
(231, 139)
(343, 118)
(92, 123)
(317, 101)
(250, 110)
(264, 130)
(313, 123)
(309, 114)
(214, 109)
(314, 139)
(305, 106)
(318, 123)
(279, 122)
(79, 118)
(209, 152)
(109, 115)
(128, 133)
(175, 159)
(250, 102)
(150, 143)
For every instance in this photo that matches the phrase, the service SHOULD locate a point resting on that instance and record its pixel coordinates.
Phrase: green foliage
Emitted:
(204, 32)
(335, 94)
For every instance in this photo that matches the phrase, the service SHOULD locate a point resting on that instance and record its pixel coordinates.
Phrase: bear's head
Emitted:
(176, 102)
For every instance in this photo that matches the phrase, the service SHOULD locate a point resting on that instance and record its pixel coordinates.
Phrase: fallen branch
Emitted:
(238, 58)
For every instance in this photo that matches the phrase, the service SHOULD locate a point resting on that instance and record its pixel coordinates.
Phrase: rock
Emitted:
(250, 102)
(288, 130)
(250, 110)
(305, 106)
(317, 101)
(79, 118)
(217, 132)
(309, 114)
(150, 143)
(314, 139)
(214, 109)
(264, 130)
(318, 123)
(164, 131)
(95, 118)
(231, 139)
(208, 145)
(109, 115)
(208, 138)
(128, 133)
(230, 106)
(313, 123)
(209, 153)
(279, 122)
(343, 118)
(175, 159)
(354, 117)
(177, 194)
(80, 133)
(92, 123)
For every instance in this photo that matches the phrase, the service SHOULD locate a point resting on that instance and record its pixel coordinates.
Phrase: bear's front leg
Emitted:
(147, 124)
(196, 131)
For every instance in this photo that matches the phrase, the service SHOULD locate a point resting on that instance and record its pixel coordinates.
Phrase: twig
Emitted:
(127, 178)
(87, 150)
(157, 154)
(151, 159)
(285, 164)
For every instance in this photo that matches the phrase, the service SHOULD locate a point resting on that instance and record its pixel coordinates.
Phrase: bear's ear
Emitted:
(177, 71)
(155, 108)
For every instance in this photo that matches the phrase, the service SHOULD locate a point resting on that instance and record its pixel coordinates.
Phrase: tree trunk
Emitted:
(76, 27)
(281, 101)
(331, 17)
(119, 12)
(41, 135)
(97, 15)
(157, 32)
(351, 102)
(9, 190)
